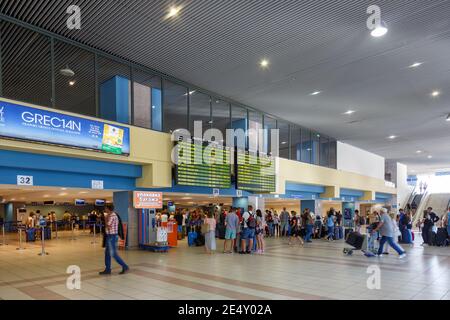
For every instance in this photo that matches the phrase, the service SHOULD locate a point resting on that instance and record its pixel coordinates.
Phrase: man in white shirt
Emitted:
(248, 231)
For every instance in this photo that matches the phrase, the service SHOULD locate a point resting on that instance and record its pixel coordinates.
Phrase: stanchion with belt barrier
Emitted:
(43, 253)
(56, 229)
(95, 233)
(73, 231)
(3, 235)
(19, 229)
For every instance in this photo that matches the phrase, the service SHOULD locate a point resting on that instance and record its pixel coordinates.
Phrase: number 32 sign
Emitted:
(24, 180)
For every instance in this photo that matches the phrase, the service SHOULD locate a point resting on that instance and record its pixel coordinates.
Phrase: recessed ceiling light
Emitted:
(72, 83)
(67, 72)
(315, 93)
(435, 94)
(264, 63)
(419, 151)
(63, 188)
(416, 65)
(380, 31)
(190, 93)
(392, 137)
(349, 112)
(284, 142)
(173, 12)
(430, 157)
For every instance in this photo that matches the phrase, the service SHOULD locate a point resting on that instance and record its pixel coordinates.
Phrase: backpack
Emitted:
(120, 228)
(251, 221)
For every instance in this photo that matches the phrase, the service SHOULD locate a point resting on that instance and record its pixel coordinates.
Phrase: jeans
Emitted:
(330, 232)
(284, 228)
(391, 242)
(309, 231)
(111, 251)
(271, 229)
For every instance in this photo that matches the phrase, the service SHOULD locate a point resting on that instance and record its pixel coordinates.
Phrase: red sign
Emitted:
(147, 200)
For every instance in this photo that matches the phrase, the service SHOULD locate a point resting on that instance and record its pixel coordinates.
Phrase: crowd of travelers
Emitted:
(244, 231)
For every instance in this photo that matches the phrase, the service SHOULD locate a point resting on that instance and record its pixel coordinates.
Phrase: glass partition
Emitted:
(296, 136)
(324, 158)
(175, 107)
(199, 111)
(221, 116)
(115, 90)
(147, 100)
(255, 137)
(284, 143)
(26, 65)
(306, 146)
(269, 125)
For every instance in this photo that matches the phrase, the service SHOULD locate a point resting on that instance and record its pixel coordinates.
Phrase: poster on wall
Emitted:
(147, 200)
(32, 124)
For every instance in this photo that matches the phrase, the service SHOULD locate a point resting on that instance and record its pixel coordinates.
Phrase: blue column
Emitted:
(308, 204)
(241, 203)
(123, 203)
(115, 99)
(156, 109)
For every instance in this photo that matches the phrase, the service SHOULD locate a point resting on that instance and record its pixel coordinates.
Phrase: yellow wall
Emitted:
(150, 149)
(298, 172)
(325, 206)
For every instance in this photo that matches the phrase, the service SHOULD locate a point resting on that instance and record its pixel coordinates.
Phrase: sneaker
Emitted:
(241, 252)
(105, 273)
(385, 253)
(124, 270)
(403, 255)
(379, 255)
(248, 252)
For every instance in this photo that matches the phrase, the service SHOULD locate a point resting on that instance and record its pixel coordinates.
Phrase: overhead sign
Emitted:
(239, 193)
(216, 192)
(32, 124)
(147, 200)
(24, 180)
(255, 173)
(97, 184)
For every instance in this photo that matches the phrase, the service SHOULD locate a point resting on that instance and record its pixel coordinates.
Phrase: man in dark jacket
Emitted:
(430, 219)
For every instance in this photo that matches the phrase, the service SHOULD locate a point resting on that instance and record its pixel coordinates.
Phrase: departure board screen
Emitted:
(255, 173)
(203, 166)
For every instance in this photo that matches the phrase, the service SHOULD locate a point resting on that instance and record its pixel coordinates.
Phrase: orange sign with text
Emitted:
(147, 200)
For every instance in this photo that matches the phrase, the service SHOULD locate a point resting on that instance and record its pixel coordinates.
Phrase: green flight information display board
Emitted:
(255, 173)
(203, 166)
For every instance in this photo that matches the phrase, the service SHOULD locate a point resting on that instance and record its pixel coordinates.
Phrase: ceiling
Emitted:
(314, 45)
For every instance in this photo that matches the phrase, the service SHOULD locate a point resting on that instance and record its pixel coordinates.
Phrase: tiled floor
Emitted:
(316, 271)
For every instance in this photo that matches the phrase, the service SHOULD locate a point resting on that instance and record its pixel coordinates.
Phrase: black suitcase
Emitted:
(221, 231)
(200, 241)
(441, 236)
(347, 232)
(355, 239)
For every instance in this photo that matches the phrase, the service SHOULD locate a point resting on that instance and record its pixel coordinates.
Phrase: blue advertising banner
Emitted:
(32, 124)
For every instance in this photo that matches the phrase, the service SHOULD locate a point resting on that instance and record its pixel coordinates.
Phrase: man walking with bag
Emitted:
(113, 229)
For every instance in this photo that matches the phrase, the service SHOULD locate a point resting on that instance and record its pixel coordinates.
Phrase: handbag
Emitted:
(205, 228)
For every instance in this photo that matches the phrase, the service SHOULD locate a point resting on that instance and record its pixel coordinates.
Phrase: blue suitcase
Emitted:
(31, 235)
(192, 236)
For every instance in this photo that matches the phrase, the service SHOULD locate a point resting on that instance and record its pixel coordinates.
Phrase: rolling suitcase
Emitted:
(31, 235)
(347, 232)
(192, 236)
(355, 239)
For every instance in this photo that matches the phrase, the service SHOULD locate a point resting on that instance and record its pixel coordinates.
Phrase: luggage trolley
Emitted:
(357, 241)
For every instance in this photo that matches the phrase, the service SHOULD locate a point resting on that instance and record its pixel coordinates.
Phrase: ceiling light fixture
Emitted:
(315, 93)
(349, 112)
(380, 31)
(416, 65)
(173, 12)
(67, 72)
(190, 93)
(392, 137)
(264, 63)
(284, 142)
(435, 94)
(430, 157)
(419, 151)
(448, 118)
(72, 83)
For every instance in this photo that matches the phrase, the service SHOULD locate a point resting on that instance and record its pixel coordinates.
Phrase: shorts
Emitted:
(230, 234)
(247, 233)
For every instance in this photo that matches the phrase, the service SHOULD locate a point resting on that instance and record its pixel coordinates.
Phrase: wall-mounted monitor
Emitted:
(80, 202)
(100, 203)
